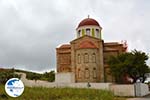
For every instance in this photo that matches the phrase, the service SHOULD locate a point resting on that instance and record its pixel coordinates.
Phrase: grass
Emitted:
(39, 93)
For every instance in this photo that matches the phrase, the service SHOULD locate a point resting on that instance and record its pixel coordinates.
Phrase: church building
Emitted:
(86, 56)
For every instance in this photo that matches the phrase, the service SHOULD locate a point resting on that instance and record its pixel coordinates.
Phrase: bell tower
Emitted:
(89, 27)
(87, 52)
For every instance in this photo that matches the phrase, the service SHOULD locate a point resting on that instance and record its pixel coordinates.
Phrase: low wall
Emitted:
(123, 90)
(144, 89)
(33, 83)
(104, 86)
(62, 83)
(38, 83)
(138, 89)
(141, 89)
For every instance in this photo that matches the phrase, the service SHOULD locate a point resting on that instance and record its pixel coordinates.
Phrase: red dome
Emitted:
(88, 21)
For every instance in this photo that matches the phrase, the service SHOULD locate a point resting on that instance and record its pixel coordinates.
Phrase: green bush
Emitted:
(6, 75)
(47, 76)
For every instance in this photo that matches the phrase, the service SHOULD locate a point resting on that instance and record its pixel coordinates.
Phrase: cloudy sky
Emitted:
(30, 30)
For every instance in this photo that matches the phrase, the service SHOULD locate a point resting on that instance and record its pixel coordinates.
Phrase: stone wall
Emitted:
(82, 50)
(87, 65)
(63, 56)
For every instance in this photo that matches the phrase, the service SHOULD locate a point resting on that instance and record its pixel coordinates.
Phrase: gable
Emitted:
(86, 42)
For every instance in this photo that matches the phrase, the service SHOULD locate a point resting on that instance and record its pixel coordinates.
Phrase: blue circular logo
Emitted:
(14, 87)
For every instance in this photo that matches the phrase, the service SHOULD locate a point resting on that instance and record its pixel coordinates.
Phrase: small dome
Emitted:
(88, 21)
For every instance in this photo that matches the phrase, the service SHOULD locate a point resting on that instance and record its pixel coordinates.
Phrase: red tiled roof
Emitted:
(112, 44)
(87, 44)
(65, 46)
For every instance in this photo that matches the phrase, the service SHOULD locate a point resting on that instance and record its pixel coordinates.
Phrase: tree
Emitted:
(52, 76)
(33, 76)
(132, 64)
(139, 64)
(49, 76)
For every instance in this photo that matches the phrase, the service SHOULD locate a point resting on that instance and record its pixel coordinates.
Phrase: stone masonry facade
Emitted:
(87, 55)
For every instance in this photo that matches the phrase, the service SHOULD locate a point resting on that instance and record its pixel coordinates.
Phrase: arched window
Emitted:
(87, 73)
(79, 33)
(93, 57)
(94, 73)
(97, 33)
(79, 73)
(79, 59)
(88, 31)
(86, 58)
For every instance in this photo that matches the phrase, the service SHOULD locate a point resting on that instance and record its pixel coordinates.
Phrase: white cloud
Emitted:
(30, 30)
